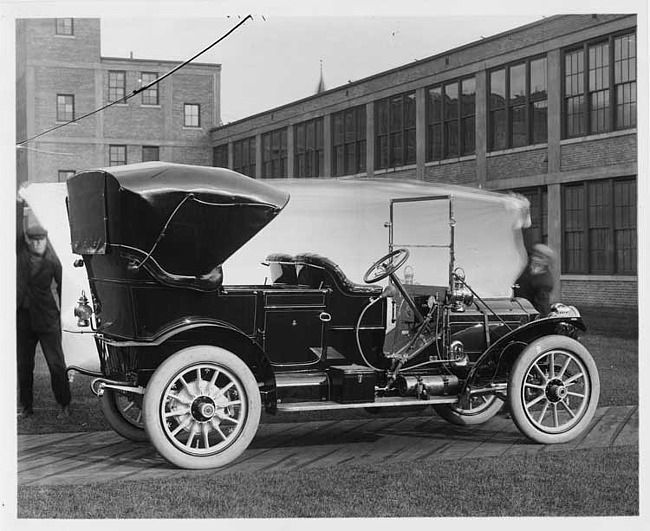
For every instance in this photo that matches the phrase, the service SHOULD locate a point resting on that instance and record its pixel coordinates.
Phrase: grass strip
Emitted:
(591, 482)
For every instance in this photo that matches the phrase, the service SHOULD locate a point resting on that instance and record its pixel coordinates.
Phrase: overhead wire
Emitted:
(138, 90)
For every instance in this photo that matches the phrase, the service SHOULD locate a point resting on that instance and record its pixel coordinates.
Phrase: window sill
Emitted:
(191, 128)
(599, 136)
(151, 106)
(532, 147)
(454, 160)
(70, 122)
(118, 104)
(395, 169)
(603, 278)
(60, 36)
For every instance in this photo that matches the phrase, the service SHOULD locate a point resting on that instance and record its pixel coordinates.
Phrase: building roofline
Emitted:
(159, 61)
(406, 66)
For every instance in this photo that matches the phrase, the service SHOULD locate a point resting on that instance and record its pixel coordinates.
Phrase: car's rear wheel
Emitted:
(202, 407)
(481, 409)
(123, 413)
(553, 390)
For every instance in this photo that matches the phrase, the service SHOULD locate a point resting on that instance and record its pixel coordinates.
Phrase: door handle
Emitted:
(325, 317)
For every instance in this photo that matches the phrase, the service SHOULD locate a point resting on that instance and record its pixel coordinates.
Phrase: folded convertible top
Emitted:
(188, 219)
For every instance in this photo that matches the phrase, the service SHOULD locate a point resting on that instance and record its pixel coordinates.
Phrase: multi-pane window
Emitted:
(349, 141)
(599, 220)
(274, 154)
(244, 156)
(64, 26)
(518, 106)
(192, 115)
(116, 85)
(625, 81)
(150, 153)
(64, 174)
(395, 131)
(600, 86)
(308, 148)
(116, 155)
(64, 107)
(538, 199)
(451, 119)
(220, 156)
(150, 95)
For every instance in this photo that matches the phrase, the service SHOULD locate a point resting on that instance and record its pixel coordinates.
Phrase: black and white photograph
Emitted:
(346, 264)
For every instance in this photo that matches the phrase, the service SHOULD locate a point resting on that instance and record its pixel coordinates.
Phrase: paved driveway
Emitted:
(97, 457)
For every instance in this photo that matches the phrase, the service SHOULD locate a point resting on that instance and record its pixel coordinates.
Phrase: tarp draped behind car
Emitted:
(342, 219)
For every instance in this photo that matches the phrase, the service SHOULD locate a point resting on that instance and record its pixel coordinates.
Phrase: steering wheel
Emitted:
(382, 269)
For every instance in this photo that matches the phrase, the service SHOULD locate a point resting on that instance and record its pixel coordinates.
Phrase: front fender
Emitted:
(497, 360)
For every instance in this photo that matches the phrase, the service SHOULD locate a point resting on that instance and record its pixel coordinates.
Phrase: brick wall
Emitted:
(54, 156)
(44, 45)
(599, 152)
(612, 293)
(79, 82)
(517, 164)
(456, 173)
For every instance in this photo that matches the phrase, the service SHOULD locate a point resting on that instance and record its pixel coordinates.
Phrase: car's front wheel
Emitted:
(202, 407)
(553, 390)
(123, 413)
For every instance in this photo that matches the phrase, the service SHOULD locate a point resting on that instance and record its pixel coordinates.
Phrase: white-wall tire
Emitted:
(202, 407)
(553, 390)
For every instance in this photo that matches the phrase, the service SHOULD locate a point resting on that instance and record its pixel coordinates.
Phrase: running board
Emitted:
(394, 401)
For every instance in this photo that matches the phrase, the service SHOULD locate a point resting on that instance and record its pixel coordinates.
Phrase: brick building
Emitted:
(61, 75)
(547, 110)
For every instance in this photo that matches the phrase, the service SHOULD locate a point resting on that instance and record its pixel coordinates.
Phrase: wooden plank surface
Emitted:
(105, 456)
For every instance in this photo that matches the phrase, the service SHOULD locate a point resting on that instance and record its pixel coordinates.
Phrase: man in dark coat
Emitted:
(536, 282)
(38, 319)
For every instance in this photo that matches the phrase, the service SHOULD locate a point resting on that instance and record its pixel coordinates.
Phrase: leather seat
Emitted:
(319, 271)
(282, 268)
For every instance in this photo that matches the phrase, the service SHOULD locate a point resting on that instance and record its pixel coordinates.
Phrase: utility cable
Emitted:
(141, 89)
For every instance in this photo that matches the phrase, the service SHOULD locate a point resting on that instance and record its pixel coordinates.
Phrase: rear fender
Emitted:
(497, 360)
(233, 340)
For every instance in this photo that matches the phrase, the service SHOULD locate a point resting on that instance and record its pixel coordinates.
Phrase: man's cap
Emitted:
(544, 250)
(36, 232)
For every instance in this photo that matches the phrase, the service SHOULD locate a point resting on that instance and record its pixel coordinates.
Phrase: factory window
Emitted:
(599, 226)
(308, 148)
(274, 154)
(518, 107)
(150, 95)
(116, 155)
(349, 141)
(395, 131)
(116, 85)
(64, 174)
(451, 120)
(150, 153)
(64, 26)
(220, 156)
(600, 86)
(64, 107)
(244, 156)
(192, 115)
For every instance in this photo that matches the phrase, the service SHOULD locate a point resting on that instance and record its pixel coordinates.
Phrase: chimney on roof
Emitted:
(130, 55)
(321, 82)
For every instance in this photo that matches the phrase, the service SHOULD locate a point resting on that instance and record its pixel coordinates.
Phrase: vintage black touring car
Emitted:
(188, 361)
